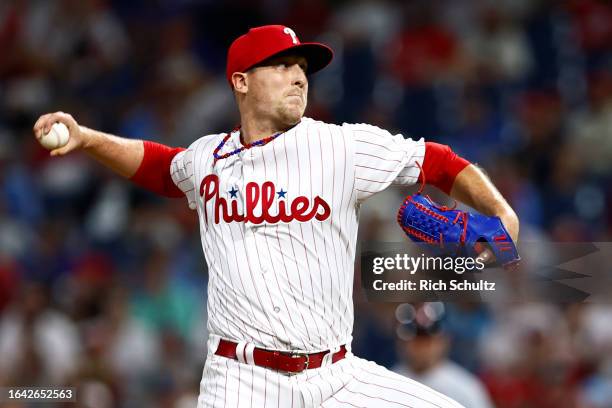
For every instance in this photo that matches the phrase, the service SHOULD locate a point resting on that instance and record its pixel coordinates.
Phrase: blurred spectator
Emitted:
(498, 48)
(591, 129)
(423, 55)
(38, 345)
(163, 303)
(528, 359)
(132, 349)
(374, 337)
(8, 281)
(478, 133)
(307, 17)
(597, 389)
(424, 51)
(540, 117)
(120, 351)
(425, 345)
(374, 21)
(465, 324)
(593, 19)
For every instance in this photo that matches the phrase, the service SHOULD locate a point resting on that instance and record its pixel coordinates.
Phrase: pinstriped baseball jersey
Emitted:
(278, 224)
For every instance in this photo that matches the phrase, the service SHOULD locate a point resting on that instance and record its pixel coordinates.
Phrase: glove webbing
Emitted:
(460, 217)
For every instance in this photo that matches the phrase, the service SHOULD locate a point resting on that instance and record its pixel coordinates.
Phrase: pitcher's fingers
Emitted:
(486, 256)
(51, 119)
(48, 120)
(39, 125)
(62, 150)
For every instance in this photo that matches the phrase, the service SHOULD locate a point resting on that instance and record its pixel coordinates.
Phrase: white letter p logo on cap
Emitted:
(289, 31)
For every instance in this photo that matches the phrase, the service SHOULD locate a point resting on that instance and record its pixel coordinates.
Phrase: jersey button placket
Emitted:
(247, 176)
(249, 228)
(251, 231)
(250, 175)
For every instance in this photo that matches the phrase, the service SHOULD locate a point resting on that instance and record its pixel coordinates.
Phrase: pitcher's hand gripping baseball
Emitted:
(75, 139)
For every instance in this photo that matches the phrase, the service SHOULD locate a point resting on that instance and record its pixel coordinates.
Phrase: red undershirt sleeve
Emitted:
(441, 165)
(153, 173)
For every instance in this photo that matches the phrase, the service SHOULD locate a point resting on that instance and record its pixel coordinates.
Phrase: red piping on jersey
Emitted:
(153, 174)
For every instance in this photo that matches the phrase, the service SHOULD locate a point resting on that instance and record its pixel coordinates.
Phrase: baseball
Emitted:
(57, 137)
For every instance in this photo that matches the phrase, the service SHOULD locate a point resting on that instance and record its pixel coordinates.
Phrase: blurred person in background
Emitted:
(424, 346)
(38, 345)
(529, 357)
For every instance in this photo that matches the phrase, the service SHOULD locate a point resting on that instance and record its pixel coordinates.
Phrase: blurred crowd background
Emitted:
(102, 285)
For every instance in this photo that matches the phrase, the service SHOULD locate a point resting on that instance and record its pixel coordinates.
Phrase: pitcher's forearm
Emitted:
(121, 155)
(475, 189)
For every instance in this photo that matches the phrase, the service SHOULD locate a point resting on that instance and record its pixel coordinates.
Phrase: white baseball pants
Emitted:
(351, 382)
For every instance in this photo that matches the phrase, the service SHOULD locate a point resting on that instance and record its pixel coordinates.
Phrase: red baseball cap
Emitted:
(261, 43)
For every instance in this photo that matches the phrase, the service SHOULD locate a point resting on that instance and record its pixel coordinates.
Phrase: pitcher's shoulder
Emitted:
(307, 122)
(324, 128)
(364, 127)
(207, 141)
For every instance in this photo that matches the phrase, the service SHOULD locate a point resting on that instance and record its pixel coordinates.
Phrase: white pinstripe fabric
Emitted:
(287, 285)
(352, 382)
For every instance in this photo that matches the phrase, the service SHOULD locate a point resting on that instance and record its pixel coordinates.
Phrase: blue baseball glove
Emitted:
(455, 233)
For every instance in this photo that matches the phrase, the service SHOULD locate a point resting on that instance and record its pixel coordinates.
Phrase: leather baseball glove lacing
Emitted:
(452, 232)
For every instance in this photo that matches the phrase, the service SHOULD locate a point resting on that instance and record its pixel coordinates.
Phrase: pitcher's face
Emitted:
(278, 88)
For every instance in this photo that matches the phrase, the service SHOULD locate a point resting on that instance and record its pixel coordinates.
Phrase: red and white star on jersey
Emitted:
(300, 209)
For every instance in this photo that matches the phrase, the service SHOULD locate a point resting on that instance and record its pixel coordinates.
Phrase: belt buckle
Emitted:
(298, 355)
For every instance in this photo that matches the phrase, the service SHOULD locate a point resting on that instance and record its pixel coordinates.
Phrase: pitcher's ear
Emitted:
(240, 82)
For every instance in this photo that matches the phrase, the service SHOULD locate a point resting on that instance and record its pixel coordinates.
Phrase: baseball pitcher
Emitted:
(278, 202)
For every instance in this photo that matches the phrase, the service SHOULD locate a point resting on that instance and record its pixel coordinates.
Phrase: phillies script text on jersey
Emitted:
(276, 281)
(299, 210)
